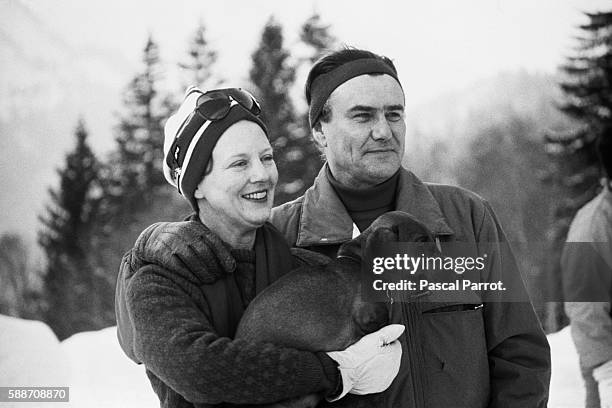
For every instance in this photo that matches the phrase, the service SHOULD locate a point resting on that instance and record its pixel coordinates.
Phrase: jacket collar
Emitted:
(324, 219)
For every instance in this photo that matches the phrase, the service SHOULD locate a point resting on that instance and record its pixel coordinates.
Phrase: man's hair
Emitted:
(603, 148)
(332, 61)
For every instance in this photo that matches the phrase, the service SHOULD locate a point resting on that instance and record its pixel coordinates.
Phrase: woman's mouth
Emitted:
(261, 195)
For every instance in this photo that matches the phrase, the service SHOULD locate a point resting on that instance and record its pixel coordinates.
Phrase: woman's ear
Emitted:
(199, 192)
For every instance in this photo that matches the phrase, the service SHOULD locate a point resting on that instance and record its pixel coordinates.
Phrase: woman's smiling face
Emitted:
(238, 193)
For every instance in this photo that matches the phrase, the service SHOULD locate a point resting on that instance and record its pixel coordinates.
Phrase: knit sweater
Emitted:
(183, 291)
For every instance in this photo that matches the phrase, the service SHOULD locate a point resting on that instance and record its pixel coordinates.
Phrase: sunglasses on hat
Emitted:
(215, 105)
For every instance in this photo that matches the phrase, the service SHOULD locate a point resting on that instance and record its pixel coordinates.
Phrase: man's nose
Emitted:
(381, 129)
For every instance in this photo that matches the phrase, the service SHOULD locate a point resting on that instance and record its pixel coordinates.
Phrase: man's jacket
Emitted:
(455, 354)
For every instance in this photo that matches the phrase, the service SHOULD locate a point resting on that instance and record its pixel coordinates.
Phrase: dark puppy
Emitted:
(320, 308)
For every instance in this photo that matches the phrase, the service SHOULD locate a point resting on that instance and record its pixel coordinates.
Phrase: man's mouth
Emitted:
(260, 195)
(380, 151)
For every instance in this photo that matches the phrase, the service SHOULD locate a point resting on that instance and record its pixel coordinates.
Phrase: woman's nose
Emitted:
(258, 172)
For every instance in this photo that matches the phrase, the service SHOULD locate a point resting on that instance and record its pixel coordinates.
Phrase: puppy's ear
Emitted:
(413, 231)
(380, 235)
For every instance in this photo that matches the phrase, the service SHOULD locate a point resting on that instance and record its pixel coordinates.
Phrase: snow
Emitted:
(102, 376)
(30, 355)
(99, 375)
(566, 387)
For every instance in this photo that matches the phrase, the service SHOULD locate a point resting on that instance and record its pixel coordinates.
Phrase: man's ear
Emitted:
(318, 135)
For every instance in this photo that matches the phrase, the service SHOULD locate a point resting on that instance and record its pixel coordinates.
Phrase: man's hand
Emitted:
(603, 376)
(370, 365)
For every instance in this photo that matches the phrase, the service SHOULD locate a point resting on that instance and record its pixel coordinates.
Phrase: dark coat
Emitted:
(178, 305)
(454, 355)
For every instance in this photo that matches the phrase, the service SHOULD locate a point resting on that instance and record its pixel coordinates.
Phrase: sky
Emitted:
(437, 45)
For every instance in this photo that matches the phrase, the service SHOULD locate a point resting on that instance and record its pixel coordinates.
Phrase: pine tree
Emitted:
(317, 36)
(272, 77)
(588, 91)
(133, 185)
(200, 60)
(574, 170)
(65, 240)
(135, 171)
(14, 275)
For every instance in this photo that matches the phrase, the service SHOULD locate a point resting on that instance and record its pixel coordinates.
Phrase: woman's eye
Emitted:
(239, 163)
(267, 158)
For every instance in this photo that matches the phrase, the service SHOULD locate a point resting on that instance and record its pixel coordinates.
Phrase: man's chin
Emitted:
(382, 171)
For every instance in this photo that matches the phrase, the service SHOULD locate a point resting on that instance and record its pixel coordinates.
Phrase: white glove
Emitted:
(371, 364)
(603, 376)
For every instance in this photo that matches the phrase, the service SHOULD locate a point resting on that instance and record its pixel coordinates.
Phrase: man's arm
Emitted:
(518, 351)
(587, 281)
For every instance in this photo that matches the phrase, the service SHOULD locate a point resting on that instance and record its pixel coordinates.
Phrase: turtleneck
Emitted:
(365, 205)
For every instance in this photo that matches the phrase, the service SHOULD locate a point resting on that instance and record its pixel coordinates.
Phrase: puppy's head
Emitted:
(394, 226)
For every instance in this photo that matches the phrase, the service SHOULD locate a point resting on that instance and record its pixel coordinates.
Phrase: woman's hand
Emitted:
(370, 365)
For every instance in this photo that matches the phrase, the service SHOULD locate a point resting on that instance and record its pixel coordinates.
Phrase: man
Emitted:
(587, 285)
(455, 354)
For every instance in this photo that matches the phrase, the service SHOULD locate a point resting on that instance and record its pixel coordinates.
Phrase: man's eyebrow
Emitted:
(362, 108)
(394, 107)
(365, 108)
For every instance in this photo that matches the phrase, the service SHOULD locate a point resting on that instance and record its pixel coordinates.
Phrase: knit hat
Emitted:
(189, 139)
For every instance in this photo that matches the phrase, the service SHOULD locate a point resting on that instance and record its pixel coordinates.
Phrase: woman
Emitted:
(184, 286)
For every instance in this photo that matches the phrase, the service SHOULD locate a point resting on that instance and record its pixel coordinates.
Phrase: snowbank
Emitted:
(99, 375)
(31, 355)
(566, 386)
(102, 376)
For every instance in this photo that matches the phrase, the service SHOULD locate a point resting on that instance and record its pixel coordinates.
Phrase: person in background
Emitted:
(183, 287)
(586, 265)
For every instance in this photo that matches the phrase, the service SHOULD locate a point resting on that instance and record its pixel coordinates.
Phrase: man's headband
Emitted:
(323, 86)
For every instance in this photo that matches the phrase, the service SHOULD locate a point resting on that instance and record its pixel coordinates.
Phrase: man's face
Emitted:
(364, 140)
